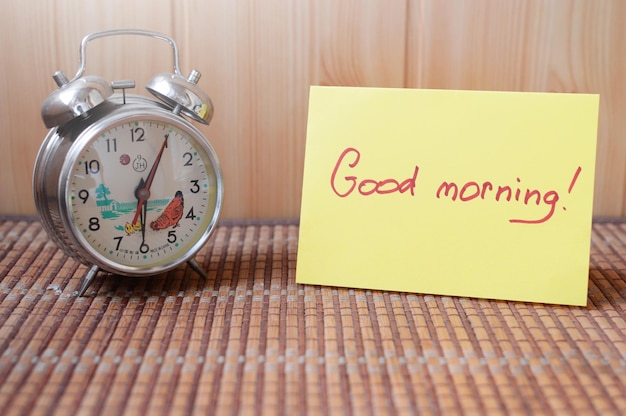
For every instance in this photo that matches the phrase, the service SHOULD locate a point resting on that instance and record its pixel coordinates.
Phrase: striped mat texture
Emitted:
(249, 340)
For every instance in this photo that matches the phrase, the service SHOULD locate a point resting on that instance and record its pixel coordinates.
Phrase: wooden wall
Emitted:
(258, 59)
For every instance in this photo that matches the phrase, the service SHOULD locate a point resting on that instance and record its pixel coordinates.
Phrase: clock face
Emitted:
(143, 194)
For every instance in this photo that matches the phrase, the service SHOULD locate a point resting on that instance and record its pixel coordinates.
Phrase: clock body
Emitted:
(130, 187)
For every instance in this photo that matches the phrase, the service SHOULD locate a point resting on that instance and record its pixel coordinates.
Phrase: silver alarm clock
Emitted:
(124, 183)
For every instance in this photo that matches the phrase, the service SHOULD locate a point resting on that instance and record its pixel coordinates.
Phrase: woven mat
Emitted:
(250, 340)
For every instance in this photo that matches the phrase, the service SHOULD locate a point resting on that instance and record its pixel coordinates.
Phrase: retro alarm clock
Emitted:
(124, 183)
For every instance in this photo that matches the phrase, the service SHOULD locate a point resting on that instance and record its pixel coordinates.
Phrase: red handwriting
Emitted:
(344, 183)
(472, 190)
(349, 159)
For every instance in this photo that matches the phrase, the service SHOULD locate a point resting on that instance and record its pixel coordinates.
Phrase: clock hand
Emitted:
(143, 189)
(155, 165)
(144, 211)
(140, 201)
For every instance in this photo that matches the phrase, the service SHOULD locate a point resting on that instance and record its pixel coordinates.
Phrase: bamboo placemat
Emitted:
(250, 340)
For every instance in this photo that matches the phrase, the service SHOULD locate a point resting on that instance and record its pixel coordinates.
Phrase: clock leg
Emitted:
(196, 268)
(87, 279)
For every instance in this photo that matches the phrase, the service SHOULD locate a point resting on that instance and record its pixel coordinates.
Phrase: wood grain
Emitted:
(557, 46)
(258, 59)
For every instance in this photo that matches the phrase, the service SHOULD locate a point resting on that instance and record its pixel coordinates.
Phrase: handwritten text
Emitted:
(344, 183)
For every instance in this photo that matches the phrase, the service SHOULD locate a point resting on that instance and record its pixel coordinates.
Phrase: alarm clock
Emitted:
(124, 183)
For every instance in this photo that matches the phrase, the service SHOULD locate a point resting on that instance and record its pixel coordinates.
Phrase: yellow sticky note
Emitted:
(462, 193)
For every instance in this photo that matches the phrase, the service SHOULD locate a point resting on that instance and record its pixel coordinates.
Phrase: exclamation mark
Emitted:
(574, 179)
(573, 182)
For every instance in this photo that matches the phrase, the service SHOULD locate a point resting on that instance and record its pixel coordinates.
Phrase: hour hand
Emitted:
(131, 227)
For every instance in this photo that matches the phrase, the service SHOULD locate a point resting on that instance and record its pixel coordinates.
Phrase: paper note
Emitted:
(461, 193)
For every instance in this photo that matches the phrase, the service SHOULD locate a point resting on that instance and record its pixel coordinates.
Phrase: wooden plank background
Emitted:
(258, 59)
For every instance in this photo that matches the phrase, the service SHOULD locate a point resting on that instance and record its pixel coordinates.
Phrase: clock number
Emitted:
(92, 166)
(171, 237)
(136, 135)
(83, 194)
(190, 214)
(195, 188)
(94, 224)
(119, 241)
(144, 248)
(188, 157)
(111, 145)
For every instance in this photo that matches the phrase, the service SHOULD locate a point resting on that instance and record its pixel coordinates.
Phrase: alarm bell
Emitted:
(183, 95)
(73, 98)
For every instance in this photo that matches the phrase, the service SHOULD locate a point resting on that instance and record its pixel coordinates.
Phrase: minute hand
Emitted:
(155, 165)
